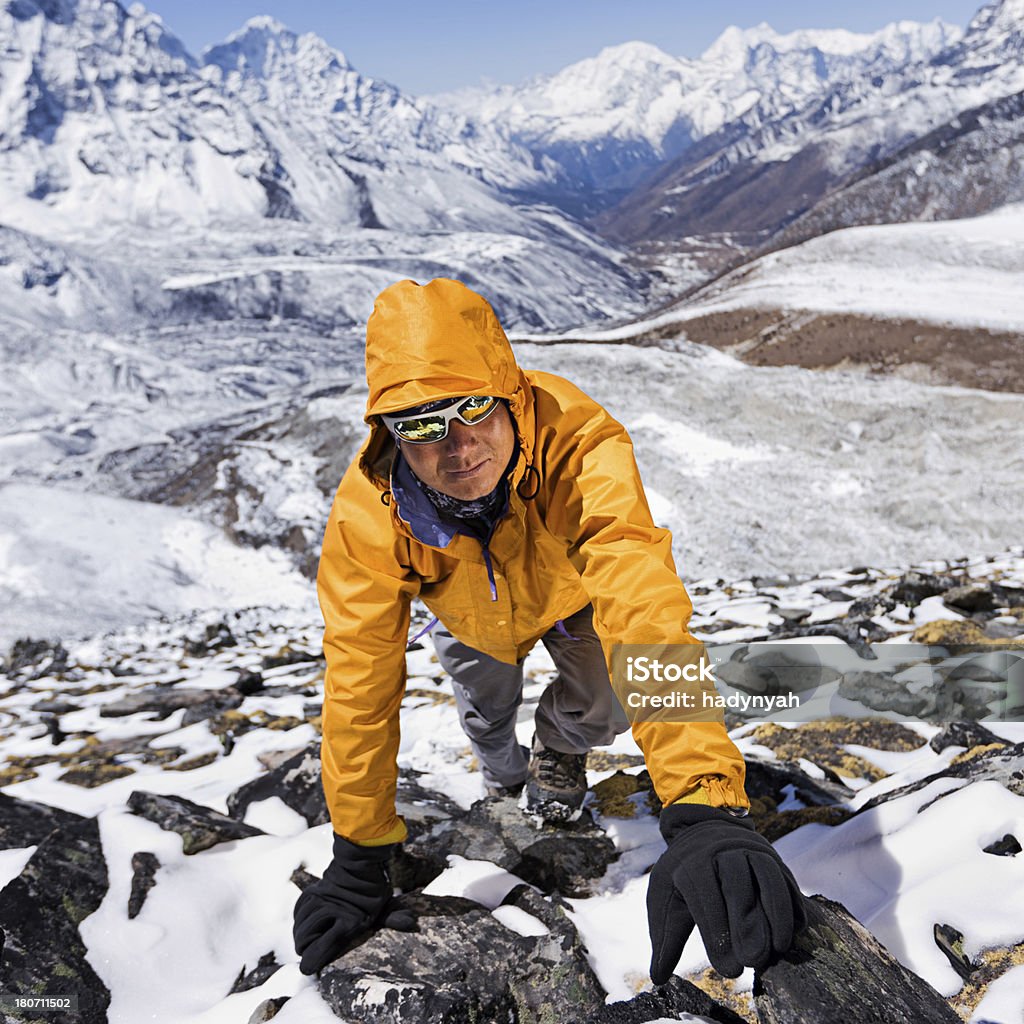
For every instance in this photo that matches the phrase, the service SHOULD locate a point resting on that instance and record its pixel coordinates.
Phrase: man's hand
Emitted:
(353, 896)
(719, 874)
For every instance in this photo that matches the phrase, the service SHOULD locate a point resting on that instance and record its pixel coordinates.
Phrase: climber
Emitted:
(510, 504)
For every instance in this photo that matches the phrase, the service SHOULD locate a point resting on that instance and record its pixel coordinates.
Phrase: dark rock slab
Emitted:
(1008, 846)
(422, 808)
(951, 941)
(881, 692)
(837, 971)
(199, 827)
(971, 597)
(33, 659)
(296, 782)
(461, 965)
(563, 858)
(27, 823)
(40, 911)
(1005, 766)
(674, 997)
(164, 700)
(770, 779)
(265, 967)
(913, 587)
(772, 672)
(144, 868)
(216, 636)
(963, 734)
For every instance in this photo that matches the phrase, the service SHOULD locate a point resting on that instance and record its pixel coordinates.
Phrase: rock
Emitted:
(970, 597)
(962, 734)
(33, 659)
(265, 968)
(64, 882)
(665, 1002)
(838, 971)
(1000, 763)
(994, 666)
(89, 776)
(997, 629)
(289, 655)
(773, 672)
(216, 636)
(144, 868)
(163, 700)
(874, 604)
(296, 782)
(1008, 596)
(1008, 846)
(199, 827)
(854, 632)
(834, 594)
(793, 614)
(55, 705)
(913, 587)
(248, 682)
(267, 1010)
(882, 692)
(26, 823)
(951, 942)
(949, 633)
(566, 858)
(464, 965)
(772, 778)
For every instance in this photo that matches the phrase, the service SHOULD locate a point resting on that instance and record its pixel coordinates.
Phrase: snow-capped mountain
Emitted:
(362, 152)
(104, 115)
(611, 118)
(759, 172)
(313, 185)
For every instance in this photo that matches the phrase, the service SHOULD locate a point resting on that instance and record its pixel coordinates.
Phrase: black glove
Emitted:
(353, 896)
(719, 874)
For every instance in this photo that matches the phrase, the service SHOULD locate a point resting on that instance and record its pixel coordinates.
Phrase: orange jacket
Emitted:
(578, 531)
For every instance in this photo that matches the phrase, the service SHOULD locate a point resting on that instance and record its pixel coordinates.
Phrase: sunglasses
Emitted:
(426, 428)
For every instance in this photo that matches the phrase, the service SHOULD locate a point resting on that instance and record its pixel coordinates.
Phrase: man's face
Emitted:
(469, 461)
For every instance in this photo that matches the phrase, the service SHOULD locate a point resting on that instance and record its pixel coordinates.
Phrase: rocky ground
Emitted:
(923, 352)
(161, 808)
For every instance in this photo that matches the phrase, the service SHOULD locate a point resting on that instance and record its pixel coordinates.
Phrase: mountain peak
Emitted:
(262, 23)
(265, 48)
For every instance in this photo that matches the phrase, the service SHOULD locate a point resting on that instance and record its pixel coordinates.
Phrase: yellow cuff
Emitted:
(695, 796)
(394, 835)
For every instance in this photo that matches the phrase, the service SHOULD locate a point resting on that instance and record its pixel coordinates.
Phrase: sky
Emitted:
(429, 46)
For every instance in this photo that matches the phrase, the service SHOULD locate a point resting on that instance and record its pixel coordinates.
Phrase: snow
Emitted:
(136, 559)
(966, 273)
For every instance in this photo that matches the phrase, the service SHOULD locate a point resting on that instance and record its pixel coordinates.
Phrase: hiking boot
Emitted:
(505, 792)
(556, 783)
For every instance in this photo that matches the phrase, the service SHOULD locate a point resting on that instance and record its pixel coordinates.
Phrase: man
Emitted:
(510, 503)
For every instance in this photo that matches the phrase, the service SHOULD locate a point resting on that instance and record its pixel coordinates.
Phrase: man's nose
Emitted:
(459, 436)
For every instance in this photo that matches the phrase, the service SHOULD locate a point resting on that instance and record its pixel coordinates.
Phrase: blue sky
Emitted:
(432, 45)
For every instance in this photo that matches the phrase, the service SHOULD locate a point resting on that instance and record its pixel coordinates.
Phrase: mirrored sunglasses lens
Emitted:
(423, 429)
(475, 409)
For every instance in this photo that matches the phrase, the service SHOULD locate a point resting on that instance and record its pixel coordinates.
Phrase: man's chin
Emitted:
(470, 489)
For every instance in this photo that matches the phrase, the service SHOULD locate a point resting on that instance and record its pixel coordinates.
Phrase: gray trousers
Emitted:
(579, 709)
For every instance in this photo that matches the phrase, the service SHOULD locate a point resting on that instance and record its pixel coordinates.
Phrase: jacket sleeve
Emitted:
(626, 567)
(365, 593)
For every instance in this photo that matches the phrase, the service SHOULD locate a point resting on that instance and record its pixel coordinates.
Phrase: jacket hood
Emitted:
(434, 341)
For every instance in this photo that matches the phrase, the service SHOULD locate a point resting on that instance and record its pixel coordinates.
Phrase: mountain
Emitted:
(105, 116)
(360, 151)
(608, 120)
(939, 302)
(314, 185)
(757, 174)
